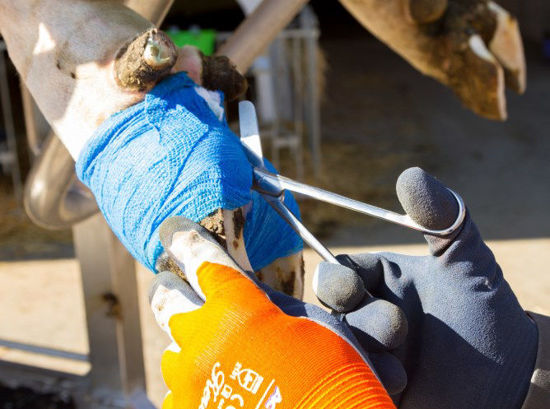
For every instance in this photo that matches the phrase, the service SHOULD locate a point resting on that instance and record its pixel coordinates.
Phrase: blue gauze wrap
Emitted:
(170, 156)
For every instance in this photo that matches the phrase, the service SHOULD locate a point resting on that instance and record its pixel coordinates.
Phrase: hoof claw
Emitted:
(145, 60)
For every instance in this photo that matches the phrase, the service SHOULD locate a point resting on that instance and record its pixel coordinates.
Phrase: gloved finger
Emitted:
(390, 370)
(431, 204)
(190, 246)
(343, 287)
(170, 295)
(338, 287)
(378, 325)
(368, 266)
(425, 199)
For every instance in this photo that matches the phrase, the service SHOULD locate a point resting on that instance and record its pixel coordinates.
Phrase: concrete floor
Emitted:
(374, 99)
(46, 298)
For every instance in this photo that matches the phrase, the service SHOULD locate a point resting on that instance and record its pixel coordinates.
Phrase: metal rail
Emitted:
(54, 199)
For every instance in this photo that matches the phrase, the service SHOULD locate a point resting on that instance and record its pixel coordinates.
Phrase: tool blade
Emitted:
(250, 133)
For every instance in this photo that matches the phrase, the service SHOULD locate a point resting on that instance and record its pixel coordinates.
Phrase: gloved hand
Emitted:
(470, 345)
(173, 154)
(235, 348)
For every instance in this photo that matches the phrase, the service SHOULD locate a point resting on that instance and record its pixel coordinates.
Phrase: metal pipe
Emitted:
(258, 30)
(313, 117)
(36, 126)
(154, 11)
(53, 199)
(109, 284)
(35, 349)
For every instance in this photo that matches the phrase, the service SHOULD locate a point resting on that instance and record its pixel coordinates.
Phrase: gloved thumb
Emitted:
(169, 295)
(208, 267)
(429, 203)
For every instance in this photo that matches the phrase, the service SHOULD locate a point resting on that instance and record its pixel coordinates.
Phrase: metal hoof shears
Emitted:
(272, 188)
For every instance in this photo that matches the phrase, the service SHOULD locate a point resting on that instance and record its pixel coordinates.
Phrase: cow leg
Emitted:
(472, 46)
(85, 60)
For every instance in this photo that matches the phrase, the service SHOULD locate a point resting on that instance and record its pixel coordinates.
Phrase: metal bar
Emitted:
(285, 34)
(36, 126)
(53, 198)
(112, 314)
(10, 129)
(313, 111)
(258, 30)
(298, 102)
(59, 353)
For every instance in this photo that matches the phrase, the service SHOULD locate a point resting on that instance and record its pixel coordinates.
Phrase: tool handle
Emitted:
(276, 183)
(277, 204)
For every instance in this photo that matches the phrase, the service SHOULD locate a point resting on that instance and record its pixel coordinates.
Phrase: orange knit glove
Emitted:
(239, 350)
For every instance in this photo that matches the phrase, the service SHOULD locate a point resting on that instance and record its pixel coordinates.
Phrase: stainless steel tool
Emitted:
(272, 187)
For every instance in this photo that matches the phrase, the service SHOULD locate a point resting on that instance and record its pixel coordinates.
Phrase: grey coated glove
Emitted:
(470, 345)
(388, 368)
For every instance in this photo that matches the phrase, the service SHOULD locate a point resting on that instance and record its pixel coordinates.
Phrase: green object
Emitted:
(204, 40)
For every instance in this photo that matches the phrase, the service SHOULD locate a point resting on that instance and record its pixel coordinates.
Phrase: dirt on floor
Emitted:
(26, 398)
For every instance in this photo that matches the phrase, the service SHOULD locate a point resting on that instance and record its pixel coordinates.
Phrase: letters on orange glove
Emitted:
(239, 350)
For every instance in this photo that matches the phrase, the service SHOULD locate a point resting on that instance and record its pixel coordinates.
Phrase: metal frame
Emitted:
(288, 117)
(112, 314)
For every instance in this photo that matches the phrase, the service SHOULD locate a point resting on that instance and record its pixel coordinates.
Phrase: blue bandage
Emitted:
(170, 156)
